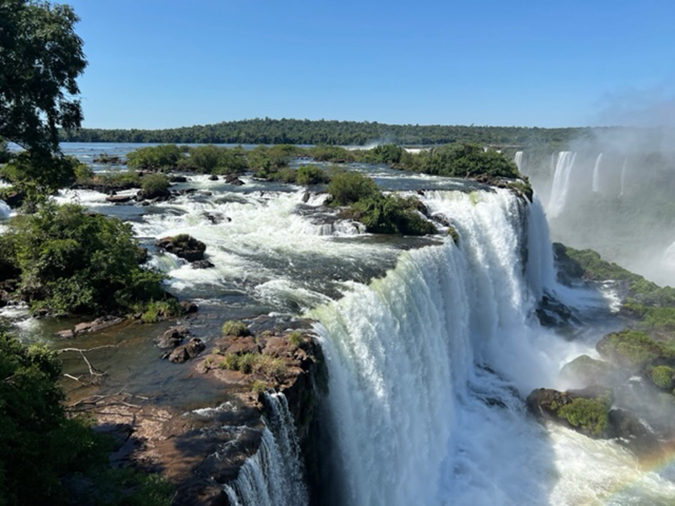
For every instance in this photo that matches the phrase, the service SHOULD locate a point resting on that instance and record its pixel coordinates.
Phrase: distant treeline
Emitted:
(294, 131)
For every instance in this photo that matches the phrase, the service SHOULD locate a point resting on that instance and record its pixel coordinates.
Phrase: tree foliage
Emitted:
(40, 59)
(75, 262)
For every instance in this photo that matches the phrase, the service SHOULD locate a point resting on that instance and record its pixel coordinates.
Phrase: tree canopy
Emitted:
(41, 57)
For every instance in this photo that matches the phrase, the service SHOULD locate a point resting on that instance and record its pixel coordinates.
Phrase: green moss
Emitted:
(271, 368)
(452, 232)
(259, 387)
(588, 415)
(235, 328)
(633, 349)
(662, 376)
(295, 338)
(160, 310)
(588, 370)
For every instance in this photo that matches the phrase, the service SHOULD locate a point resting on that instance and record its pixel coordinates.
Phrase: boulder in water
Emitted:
(183, 246)
(172, 337)
(187, 351)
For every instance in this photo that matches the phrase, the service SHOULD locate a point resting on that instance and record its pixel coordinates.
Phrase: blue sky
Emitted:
(160, 64)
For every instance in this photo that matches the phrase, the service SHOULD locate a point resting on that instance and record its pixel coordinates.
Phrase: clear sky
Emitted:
(170, 63)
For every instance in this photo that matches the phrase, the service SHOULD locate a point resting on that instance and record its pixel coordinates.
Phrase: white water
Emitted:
(518, 160)
(561, 183)
(416, 416)
(5, 210)
(596, 174)
(274, 475)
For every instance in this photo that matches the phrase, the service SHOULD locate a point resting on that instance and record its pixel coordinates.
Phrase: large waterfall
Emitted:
(561, 182)
(423, 365)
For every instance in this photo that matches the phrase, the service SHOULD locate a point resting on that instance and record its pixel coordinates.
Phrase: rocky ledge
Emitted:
(202, 449)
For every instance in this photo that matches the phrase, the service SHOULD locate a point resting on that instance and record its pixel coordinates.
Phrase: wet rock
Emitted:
(188, 307)
(187, 351)
(202, 264)
(569, 270)
(585, 411)
(66, 334)
(14, 199)
(584, 371)
(98, 324)
(631, 432)
(178, 179)
(305, 197)
(213, 177)
(183, 246)
(172, 337)
(234, 180)
(553, 313)
(119, 199)
(214, 218)
(438, 217)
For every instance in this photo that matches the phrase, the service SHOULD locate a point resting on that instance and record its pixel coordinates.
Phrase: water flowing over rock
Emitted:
(274, 475)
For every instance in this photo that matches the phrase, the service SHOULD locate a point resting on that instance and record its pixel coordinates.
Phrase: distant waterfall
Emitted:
(518, 160)
(561, 182)
(409, 407)
(596, 174)
(274, 475)
(623, 175)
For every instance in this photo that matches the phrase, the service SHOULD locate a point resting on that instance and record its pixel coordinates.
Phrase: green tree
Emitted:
(40, 59)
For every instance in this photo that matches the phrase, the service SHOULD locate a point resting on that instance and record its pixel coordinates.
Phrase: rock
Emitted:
(213, 177)
(66, 334)
(584, 371)
(119, 199)
(234, 180)
(142, 255)
(305, 197)
(585, 411)
(569, 270)
(553, 313)
(183, 246)
(188, 307)
(441, 219)
(202, 264)
(14, 199)
(240, 345)
(187, 351)
(631, 432)
(178, 179)
(214, 218)
(172, 337)
(98, 324)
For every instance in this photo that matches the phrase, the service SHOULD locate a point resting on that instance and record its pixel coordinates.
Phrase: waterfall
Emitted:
(623, 175)
(561, 182)
(274, 475)
(596, 174)
(518, 160)
(5, 210)
(422, 365)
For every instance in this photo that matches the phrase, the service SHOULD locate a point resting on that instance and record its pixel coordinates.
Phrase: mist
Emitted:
(612, 191)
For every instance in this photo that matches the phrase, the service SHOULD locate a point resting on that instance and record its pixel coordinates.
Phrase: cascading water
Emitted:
(623, 175)
(561, 183)
(518, 160)
(428, 367)
(5, 210)
(596, 174)
(274, 475)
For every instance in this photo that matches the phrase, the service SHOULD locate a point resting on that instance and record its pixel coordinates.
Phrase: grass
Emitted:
(235, 328)
(271, 368)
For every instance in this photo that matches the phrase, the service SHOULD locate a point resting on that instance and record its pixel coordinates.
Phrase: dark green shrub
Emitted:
(349, 187)
(589, 415)
(165, 156)
(391, 214)
(311, 175)
(155, 185)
